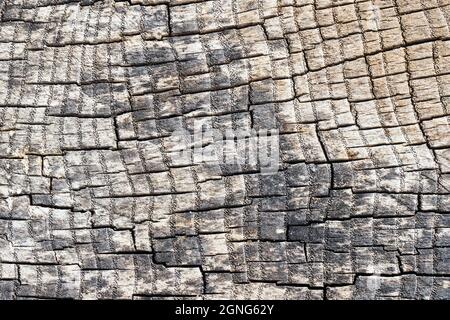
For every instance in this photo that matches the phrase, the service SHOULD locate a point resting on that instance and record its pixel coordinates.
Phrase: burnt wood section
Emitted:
(93, 206)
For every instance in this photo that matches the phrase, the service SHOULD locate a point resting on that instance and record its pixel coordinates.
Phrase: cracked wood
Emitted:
(91, 207)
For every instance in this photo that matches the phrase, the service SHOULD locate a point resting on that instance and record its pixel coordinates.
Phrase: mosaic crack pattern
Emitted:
(91, 207)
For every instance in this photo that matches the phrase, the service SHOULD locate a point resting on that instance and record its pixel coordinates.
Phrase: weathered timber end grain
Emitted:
(93, 205)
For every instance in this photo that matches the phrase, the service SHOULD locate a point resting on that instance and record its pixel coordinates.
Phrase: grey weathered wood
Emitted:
(91, 206)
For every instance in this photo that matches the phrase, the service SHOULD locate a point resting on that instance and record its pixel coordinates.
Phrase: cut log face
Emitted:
(237, 149)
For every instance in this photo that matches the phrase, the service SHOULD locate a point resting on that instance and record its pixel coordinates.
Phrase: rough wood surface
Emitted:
(91, 206)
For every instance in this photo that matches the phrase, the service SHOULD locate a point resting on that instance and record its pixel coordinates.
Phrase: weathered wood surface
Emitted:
(91, 207)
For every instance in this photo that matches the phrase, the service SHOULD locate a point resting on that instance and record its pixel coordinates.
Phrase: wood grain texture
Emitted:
(92, 207)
